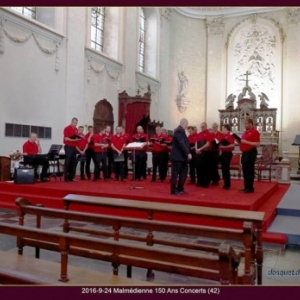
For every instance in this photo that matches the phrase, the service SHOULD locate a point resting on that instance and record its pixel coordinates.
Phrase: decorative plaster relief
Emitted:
(293, 15)
(254, 50)
(215, 26)
(166, 12)
(17, 38)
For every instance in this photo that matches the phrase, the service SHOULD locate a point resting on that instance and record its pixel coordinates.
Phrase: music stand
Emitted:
(53, 155)
(132, 147)
(297, 143)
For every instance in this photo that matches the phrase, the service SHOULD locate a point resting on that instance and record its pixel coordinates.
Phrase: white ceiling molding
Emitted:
(225, 12)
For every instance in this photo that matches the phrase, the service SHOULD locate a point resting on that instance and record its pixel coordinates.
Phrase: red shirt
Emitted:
(82, 142)
(127, 138)
(192, 138)
(91, 143)
(230, 139)
(206, 136)
(108, 137)
(218, 135)
(68, 132)
(251, 135)
(118, 141)
(99, 139)
(157, 147)
(30, 147)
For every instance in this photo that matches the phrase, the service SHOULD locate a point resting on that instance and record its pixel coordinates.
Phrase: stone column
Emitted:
(215, 83)
(163, 113)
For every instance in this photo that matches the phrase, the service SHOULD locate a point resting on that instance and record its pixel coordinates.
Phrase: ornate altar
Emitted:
(264, 118)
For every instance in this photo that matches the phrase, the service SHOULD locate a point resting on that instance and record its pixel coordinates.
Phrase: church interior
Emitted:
(148, 67)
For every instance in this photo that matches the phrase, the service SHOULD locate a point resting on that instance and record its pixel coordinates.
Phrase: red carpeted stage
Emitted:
(266, 197)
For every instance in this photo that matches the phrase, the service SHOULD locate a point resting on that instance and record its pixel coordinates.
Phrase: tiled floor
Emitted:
(276, 259)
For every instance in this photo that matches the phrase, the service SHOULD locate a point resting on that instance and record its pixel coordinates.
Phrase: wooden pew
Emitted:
(22, 269)
(222, 268)
(245, 236)
(150, 209)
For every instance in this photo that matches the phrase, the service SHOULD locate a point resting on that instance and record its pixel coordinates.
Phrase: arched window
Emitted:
(142, 37)
(97, 28)
(27, 11)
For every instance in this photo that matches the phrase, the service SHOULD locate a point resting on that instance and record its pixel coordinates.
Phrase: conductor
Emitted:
(180, 155)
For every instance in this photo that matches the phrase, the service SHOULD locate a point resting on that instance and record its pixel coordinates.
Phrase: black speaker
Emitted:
(24, 175)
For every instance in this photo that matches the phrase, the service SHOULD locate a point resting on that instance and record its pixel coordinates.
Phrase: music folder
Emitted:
(135, 145)
(117, 157)
(236, 137)
(223, 142)
(141, 140)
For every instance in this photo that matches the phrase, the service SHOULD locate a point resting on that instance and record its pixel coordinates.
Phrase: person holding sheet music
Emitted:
(192, 140)
(128, 140)
(100, 148)
(226, 146)
(249, 142)
(33, 147)
(215, 177)
(118, 143)
(110, 156)
(159, 154)
(81, 147)
(71, 138)
(140, 155)
(90, 153)
(204, 156)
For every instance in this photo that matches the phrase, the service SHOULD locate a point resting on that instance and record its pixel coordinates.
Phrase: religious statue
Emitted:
(230, 101)
(182, 84)
(263, 98)
(269, 125)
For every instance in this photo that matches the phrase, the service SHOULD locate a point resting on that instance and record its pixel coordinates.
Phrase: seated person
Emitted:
(32, 147)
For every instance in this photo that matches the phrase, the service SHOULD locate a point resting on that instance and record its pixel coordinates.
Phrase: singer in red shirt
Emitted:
(215, 177)
(118, 143)
(226, 146)
(192, 138)
(100, 148)
(110, 156)
(140, 155)
(81, 148)
(90, 153)
(250, 140)
(70, 150)
(204, 156)
(160, 154)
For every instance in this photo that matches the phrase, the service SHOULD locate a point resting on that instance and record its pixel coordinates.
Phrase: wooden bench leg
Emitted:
(129, 271)
(150, 274)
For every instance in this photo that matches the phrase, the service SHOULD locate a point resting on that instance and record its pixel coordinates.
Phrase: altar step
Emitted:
(287, 220)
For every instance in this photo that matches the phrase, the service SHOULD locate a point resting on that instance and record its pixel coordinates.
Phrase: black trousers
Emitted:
(179, 169)
(44, 173)
(125, 163)
(70, 162)
(90, 155)
(119, 169)
(100, 158)
(192, 164)
(140, 164)
(204, 169)
(110, 162)
(160, 162)
(248, 162)
(225, 163)
(81, 159)
(215, 158)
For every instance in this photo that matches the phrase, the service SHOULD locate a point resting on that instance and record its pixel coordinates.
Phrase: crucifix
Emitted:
(138, 92)
(247, 80)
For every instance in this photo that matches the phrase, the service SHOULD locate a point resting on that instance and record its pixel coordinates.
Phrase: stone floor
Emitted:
(276, 259)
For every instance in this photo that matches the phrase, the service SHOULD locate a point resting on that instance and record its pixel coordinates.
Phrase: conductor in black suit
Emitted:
(179, 156)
